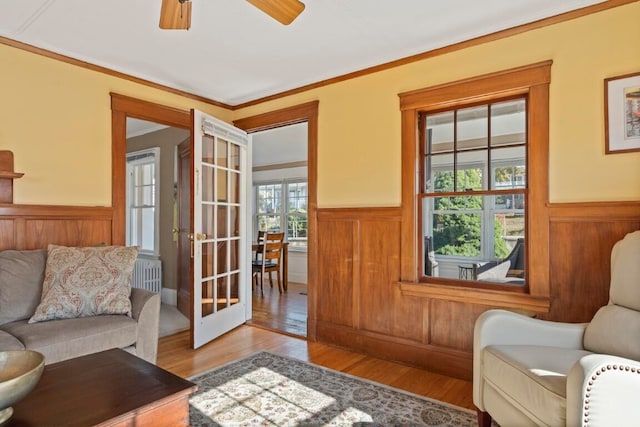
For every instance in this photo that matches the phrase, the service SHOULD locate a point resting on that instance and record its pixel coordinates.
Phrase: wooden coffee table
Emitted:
(111, 388)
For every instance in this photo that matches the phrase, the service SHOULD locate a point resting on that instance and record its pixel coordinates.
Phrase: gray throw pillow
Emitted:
(21, 277)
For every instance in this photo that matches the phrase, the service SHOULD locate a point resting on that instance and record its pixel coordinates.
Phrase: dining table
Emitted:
(257, 247)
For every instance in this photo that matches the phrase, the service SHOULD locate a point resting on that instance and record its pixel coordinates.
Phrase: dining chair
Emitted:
(260, 239)
(270, 251)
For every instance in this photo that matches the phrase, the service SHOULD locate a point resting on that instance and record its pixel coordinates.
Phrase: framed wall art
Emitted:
(622, 113)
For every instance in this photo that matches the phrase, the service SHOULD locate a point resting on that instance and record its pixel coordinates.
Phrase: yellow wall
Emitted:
(56, 118)
(359, 124)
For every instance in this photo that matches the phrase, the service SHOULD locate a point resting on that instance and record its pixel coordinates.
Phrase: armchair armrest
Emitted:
(145, 309)
(603, 390)
(502, 327)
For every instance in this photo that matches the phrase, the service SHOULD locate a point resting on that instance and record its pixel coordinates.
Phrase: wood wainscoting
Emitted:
(360, 305)
(582, 236)
(24, 227)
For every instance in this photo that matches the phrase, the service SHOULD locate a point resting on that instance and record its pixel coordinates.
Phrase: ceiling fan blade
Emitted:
(283, 11)
(175, 15)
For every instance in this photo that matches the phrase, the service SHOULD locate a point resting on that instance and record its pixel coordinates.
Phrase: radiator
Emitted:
(147, 274)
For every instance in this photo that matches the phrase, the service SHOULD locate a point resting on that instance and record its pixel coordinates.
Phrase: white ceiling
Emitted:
(285, 144)
(234, 53)
(136, 127)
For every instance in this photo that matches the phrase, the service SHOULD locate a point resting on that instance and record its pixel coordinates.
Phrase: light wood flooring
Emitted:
(175, 356)
(286, 312)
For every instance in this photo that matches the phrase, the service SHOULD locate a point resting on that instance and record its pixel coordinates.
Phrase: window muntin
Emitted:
(282, 206)
(474, 185)
(142, 200)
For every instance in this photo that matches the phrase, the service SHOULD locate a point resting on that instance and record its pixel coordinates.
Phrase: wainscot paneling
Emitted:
(7, 235)
(26, 227)
(336, 273)
(582, 236)
(361, 306)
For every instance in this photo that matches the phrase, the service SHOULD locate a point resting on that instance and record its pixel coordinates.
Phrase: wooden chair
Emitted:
(270, 253)
(261, 236)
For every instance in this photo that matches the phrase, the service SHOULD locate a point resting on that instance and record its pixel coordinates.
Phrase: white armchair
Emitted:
(534, 372)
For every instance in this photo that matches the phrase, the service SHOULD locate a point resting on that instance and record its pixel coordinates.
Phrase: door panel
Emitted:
(221, 270)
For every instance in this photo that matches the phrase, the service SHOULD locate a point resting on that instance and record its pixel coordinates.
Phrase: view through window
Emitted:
(474, 191)
(282, 206)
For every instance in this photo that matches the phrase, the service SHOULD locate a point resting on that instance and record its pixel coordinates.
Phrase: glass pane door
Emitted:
(221, 246)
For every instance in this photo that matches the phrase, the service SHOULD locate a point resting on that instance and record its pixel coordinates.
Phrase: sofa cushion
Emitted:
(64, 339)
(9, 342)
(89, 281)
(21, 276)
(614, 330)
(532, 377)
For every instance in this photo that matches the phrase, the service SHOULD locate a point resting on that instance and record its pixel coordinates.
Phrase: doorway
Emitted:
(280, 204)
(153, 213)
(123, 107)
(303, 113)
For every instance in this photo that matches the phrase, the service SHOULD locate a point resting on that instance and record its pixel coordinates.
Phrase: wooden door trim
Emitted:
(308, 113)
(534, 81)
(122, 107)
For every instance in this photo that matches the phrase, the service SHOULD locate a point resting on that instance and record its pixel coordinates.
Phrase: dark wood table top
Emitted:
(96, 388)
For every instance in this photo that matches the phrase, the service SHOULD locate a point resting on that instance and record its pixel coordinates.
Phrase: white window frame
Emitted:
(283, 213)
(134, 159)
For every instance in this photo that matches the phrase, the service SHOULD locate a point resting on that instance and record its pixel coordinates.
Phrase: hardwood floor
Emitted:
(286, 313)
(175, 356)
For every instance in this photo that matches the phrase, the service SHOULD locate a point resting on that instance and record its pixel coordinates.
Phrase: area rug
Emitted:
(271, 390)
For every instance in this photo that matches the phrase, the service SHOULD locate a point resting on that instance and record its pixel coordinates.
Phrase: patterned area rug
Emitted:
(270, 390)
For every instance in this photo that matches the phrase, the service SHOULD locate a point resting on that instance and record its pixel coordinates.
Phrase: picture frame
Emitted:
(622, 113)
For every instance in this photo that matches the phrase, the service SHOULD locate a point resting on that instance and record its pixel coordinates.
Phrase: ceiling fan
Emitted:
(176, 14)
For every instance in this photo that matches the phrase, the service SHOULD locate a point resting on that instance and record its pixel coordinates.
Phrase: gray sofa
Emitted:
(21, 278)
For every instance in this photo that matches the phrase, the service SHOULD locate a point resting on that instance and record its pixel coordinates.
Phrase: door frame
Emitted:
(301, 113)
(122, 107)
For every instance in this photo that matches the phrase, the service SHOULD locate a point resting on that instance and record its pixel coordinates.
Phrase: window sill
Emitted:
(494, 298)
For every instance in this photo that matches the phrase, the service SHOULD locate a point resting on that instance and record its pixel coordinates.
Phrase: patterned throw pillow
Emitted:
(88, 281)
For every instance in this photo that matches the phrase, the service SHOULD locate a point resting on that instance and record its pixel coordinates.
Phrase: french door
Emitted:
(221, 237)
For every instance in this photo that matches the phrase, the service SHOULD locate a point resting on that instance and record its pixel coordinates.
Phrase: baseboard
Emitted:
(169, 296)
(297, 278)
(441, 360)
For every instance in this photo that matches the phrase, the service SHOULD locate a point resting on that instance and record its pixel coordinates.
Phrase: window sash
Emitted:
(466, 171)
(142, 214)
(282, 213)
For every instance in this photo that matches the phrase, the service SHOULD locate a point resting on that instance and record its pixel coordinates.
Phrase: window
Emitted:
(142, 200)
(475, 188)
(282, 206)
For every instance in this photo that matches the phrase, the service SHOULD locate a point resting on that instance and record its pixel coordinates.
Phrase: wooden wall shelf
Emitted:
(10, 175)
(7, 175)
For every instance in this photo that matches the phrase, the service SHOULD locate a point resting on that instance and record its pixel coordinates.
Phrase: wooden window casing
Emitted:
(532, 82)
